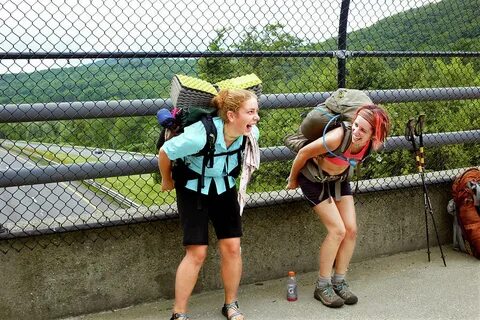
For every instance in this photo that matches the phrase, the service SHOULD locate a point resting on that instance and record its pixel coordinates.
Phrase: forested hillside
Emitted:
(102, 80)
(444, 26)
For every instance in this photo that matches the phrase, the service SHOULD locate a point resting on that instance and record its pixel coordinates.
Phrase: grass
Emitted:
(142, 189)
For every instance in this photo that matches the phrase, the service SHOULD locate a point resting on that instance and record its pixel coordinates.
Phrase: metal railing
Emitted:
(70, 89)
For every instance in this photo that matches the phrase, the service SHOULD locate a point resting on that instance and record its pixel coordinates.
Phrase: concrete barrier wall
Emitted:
(90, 271)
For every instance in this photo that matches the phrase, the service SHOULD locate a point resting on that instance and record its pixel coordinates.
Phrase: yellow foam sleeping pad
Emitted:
(196, 84)
(189, 91)
(244, 82)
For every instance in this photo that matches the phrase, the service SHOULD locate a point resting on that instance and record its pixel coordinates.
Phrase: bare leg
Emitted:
(187, 275)
(347, 247)
(330, 217)
(231, 268)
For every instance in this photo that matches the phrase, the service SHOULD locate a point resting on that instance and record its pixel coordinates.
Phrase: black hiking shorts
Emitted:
(222, 210)
(317, 192)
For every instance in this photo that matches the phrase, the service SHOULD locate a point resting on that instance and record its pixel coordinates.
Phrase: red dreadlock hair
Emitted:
(378, 118)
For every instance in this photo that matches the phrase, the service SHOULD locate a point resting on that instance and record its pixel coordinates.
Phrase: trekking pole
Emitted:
(426, 198)
(410, 136)
(419, 133)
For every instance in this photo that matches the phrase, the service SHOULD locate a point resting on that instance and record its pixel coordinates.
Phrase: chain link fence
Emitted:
(81, 82)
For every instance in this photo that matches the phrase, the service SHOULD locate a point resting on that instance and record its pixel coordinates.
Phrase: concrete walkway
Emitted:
(402, 286)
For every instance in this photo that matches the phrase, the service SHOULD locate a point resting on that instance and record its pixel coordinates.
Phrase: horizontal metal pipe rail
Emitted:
(411, 54)
(392, 143)
(299, 100)
(51, 111)
(149, 164)
(147, 214)
(73, 172)
(232, 54)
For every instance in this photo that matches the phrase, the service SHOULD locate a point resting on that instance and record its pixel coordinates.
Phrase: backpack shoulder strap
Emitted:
(208, 151)
(236, 171)
(346, 141)
(347, 137)
(244, 143)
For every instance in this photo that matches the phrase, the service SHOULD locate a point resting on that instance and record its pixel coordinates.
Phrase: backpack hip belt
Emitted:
(315, 174)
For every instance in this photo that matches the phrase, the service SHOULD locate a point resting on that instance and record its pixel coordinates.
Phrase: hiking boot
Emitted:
(328, 296)
(344, 292)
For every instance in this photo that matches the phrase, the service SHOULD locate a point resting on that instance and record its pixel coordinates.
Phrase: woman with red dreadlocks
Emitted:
(370, 127)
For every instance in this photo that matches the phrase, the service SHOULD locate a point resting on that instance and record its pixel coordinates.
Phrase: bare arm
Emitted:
(165, 166)
(332, 140)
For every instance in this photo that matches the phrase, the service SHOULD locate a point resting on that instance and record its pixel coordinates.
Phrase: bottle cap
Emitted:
(291, 273)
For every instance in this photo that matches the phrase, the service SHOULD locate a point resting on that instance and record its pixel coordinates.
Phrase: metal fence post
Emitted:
(342, 44)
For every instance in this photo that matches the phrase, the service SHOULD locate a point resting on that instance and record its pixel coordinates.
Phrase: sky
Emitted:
(167, 25)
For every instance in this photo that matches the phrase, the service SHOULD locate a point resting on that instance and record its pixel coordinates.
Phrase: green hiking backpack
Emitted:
(337, 111)
(191, 99)
(339, 108)
(175, 124)
(191, 103)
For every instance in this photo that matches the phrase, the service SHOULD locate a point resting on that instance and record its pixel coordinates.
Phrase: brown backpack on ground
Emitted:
(466, 194)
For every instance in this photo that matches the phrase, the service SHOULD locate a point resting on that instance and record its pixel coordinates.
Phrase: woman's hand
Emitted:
(291, 184)
(167, 184)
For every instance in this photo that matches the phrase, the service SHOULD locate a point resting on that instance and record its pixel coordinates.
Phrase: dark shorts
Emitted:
(222, 210)
(317, 192)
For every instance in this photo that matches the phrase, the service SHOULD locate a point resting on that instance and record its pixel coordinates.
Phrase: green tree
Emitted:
(320, 75)
(369, 73)
(216, 69)
(272, 71)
